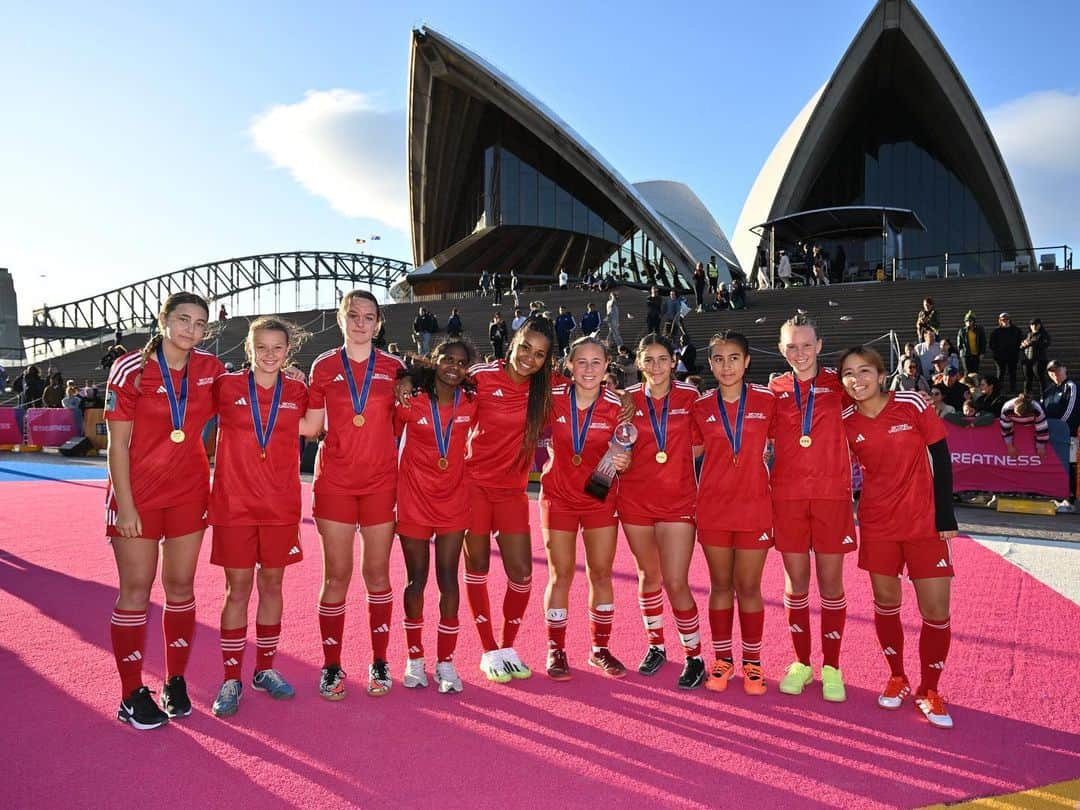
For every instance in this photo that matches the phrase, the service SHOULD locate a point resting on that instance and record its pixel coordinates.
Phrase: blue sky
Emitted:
(136, 140)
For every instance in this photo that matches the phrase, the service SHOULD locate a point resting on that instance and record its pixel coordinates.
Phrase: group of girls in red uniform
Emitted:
(468, 435)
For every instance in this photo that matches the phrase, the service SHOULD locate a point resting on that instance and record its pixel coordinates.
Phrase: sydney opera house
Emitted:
(891, 158)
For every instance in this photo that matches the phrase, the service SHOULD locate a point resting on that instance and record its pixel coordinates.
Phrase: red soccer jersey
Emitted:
(647, 481)
(494, 447)
(562, 484)
(427, 495)
(355, 460)
(734, 497)
(249, 490)
(163, 473)
(823, 470)
(897, 501)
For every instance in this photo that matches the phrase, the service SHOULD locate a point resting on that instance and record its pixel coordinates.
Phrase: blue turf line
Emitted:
(39, 471)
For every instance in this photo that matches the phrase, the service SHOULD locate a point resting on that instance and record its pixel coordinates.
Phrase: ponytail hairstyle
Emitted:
(294, 336)
(170, 304)
(539, 407)
(800, 318)
(421, 370)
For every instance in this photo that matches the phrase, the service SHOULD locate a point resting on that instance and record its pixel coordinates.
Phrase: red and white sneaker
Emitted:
(932, 705)
(896, 689)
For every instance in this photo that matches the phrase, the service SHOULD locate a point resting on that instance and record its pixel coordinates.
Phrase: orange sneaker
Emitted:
(932, 705)
(892, 696)
(720, 675)
(753, 681)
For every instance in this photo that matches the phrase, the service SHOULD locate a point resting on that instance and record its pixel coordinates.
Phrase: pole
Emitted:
(946, 264)
(772, 257)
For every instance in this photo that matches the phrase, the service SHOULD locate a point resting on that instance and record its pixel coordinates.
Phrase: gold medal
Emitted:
(177, 436)
(358, 420)
(444, 464)
(661, 457)
(805, 441)
(576, 460)
(735, 460)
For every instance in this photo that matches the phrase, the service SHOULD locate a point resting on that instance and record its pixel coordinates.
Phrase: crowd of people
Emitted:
(441, 451)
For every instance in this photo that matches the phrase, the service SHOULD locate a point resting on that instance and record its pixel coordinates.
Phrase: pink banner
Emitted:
(981, 462)
(51, 427)
(10, 430)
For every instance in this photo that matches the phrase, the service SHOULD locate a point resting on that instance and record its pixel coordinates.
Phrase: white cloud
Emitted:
(339, 146)
(1037, 137)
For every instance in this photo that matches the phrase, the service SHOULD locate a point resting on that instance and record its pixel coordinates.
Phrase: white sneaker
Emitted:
(447, 678)
(491, 664)
(414, 674)
(514, 666)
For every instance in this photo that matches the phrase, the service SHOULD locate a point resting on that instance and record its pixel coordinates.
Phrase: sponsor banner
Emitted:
(51, 427)
(94, 428)
(11, 425)
(980, 460)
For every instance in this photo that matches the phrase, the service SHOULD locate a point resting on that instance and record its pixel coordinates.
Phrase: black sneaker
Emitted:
(174, 699)
(140, 711)
(654, 659)
(693, 674)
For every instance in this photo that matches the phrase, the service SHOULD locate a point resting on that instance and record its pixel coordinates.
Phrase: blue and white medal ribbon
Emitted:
(576, 435)
(736, 437)
(263, 436)
(442, 441)
(359, 400)
(177, 405)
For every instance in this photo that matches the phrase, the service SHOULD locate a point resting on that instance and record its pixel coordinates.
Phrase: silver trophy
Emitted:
(599, 482)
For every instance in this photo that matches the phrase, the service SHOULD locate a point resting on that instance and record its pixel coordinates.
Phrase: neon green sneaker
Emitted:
(832, 685)
(797, 677)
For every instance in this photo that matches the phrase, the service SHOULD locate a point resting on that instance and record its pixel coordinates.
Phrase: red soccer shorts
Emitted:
(925, 559)
(498, 510)
(651, 519)
(172, 521)
(243, 546)
(418, 531)
(559, 521)
(743, 541)
(827, 527)
(357, 510)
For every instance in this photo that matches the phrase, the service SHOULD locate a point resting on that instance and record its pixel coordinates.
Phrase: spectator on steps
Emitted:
(424, 326)
(937, 399)
(564, 328)
(1059, 400)
(908, 377)
(564, 278)
(927, 350)
(927, 318)
(699, 286)
(30, 387)
(1023, 410)
(590, 320)
(453, 324)
(1004, 344)
(515, 288)
(517, 320)
(712, 272)
(485, 284)
(971, 340)
(71, 398)
(612, 318)
(1035, 346)
(497, 335)
(738, 293)
(497, 287)
(783, 271)
(947, 349)
(222, 314)
(955, 390)
(53, 395)
(989, 398)
(653, 310)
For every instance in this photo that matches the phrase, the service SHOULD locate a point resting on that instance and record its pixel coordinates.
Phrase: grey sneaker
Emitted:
(414, 677)
(447, 678)
(271, 682)
(228, 698)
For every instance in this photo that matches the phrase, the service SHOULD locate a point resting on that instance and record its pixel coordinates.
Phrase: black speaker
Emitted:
(76, 447)
(307, 456)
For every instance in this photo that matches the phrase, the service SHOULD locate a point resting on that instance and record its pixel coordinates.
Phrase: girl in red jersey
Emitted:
(255, 502)
(891, 435)
(513, 400)
(156, 404)
(432, 500)
(734, 509)
(351, 394)
(811, 499)
(656, 506)
(583, 419)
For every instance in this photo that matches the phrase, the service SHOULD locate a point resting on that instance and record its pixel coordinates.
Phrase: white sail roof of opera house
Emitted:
(875, 55)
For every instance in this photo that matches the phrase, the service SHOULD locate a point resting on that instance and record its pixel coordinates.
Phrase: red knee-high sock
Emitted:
(414, 635)
(555, 619)
(751, 626)
(933, 650)
(720, 622)
(514, 604)
(178, 624)
(128, 631)
(601, 619)
(447, 639)
(332, 628)
(267, 637)
(652, 614)
(833, 616)
(797, 607)
(890, 635)
(477, 592)
(380, 609)
(686, 623)
(233, 642)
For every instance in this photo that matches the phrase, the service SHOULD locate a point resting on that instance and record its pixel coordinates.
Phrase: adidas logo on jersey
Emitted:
(422, 420)
(860, 438)
(329, 641)
(847, 540)
(561, 420)
(382, 628)
(241, 401)
(497, 392)
(294, 551)
(832, 635)
(131, 659)
(179, 644)
(161, 390)
(638, 413)
(941, 564)
(784, 395)
(888, 651)
(711, 418)
(764, 537)
(795, 628)
(232, 662)
(338, 378)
